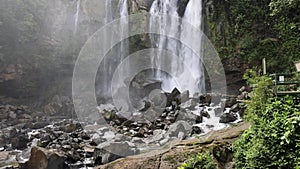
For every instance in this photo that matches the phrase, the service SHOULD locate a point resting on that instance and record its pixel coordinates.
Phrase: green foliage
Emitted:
(200, 161)
(259, 96)
(273, 140)
(256, 29)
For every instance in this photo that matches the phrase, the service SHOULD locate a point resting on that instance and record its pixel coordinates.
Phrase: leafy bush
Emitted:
(200, 161)
(261, 93)
(273, 140)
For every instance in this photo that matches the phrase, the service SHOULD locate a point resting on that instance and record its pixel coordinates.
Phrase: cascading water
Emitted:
(107, 67)
(120, 51)
(76, 16)
(167, 7)
(123, 5)
(192, 15)
(191, 69)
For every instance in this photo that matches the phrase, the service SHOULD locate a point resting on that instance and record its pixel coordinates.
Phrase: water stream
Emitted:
(76, 16)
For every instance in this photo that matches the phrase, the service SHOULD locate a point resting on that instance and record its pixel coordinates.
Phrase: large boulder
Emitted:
(110, 151)
(19, 141)
(228, 117)
(41, 158)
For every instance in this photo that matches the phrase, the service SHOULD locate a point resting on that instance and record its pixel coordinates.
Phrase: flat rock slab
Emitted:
(174, 156)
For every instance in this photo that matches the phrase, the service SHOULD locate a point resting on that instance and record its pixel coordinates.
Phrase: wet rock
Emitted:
(184, 96)
(181, 7)
(229, 102)
(174, 96)
(73, 156)
(228, 117)
(196, 130)
(204, 114)
(110, 151)
(199, 119)
(242, 110)
(186, 116)
(235, 108)
(19, 142)
(243, 96)
(218, 111)
(216, 98)
(41, 158)
(205, 99)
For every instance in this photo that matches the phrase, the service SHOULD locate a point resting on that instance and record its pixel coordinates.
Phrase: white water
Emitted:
(191, 69)
(116, 56)
(123, 8)
(167, 7)
(76, 16)
(107, 67)
(192, 15)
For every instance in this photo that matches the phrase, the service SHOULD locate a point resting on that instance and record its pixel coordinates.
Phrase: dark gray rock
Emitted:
(19, 142)
(228, 117)
(199, 119)
(235, 107)
(181, 6)
(204, 114)
(196, 130)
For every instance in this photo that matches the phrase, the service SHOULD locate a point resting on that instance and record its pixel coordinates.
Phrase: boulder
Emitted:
(174, 96)
(196, 130)
(218, 111)
(41, 158)
(19, 141)
(199, 119)
(228, 117)
(180, 129)
(204, 114)
(184, 96)
(235, 107)
(110, 151)
(205, 99)
(229, 102)
(69, 128)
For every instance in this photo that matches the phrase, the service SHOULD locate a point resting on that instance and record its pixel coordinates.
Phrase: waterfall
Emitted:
(191, 69)
(114, 57)
(167, 7)
(76, 16)
(123, 8)
(106, 70)
(193, 15)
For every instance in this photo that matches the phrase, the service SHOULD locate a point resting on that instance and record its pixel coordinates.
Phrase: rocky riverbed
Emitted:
(31, 139)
